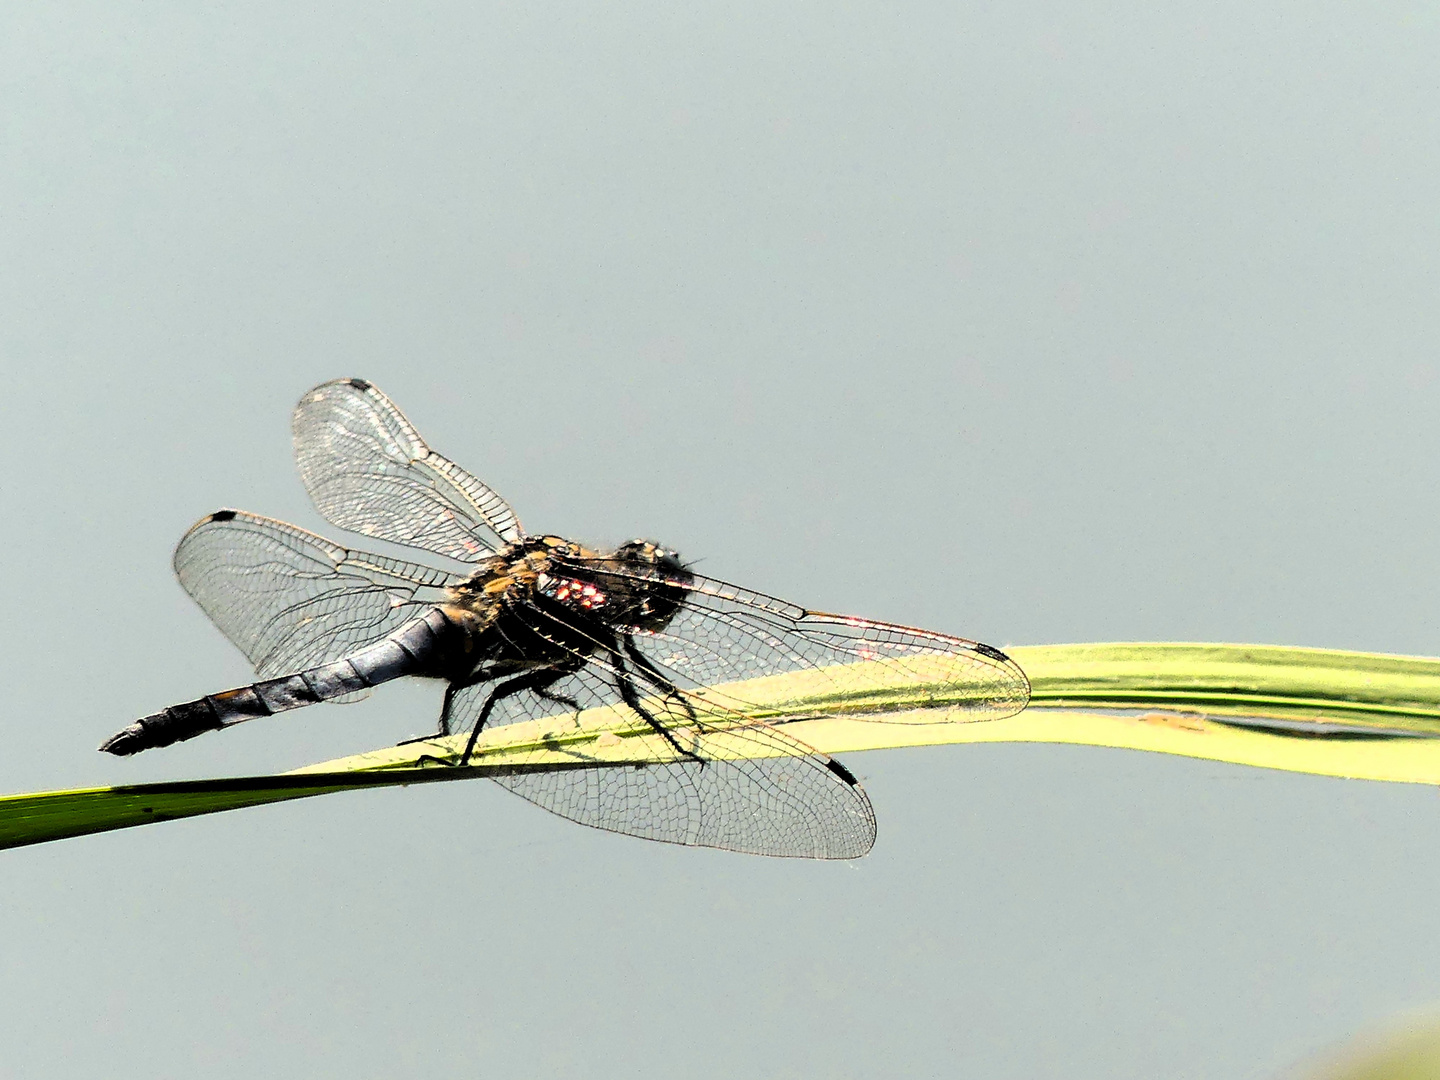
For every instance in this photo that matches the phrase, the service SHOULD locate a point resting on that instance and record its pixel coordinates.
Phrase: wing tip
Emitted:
(219, 517)
(841, 771)
(1023, 687)
(317, 393)
(992, 652)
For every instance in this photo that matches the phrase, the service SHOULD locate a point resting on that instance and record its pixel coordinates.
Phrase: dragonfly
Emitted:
(523, 627)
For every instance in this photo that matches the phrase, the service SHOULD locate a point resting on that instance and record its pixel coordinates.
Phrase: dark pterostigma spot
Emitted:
(842, 772)
(360, 384)
(990, 651)
(223, 515)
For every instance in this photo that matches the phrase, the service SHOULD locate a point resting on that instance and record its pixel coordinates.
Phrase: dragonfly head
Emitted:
(647, 584)
(646, 555)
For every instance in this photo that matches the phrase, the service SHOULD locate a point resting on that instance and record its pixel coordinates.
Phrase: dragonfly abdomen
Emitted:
(430, 645)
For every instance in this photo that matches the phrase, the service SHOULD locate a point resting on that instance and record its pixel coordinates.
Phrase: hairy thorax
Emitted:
(639, 586)
(508, 577)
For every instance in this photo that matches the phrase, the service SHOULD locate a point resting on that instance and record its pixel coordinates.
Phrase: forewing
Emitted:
(289, 599)
(368, 470)
(722, 634)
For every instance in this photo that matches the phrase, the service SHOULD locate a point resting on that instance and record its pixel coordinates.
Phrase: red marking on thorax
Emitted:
(580, 593)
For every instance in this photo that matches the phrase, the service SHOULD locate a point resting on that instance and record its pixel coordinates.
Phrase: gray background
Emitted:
(1030, 322)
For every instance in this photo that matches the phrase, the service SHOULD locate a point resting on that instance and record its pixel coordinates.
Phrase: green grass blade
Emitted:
(55, 815)
(1308, 686)
(1334, 713)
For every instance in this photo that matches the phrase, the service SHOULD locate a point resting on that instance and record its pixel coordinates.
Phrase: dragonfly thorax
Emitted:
(638, 586)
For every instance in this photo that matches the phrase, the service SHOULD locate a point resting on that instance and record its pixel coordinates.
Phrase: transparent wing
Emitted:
(726, 776)
(368, 470)
(289, 599)
(735, 783)
(723, 634)
(799, 805)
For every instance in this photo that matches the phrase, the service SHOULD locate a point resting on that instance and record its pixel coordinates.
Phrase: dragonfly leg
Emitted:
(443, 729)
(641, 661)
(625, 683)
(537, 681)
(483, 675)
(445, 706)
(560, 699)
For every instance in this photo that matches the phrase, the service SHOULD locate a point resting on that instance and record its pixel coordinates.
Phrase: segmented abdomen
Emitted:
(428, 645)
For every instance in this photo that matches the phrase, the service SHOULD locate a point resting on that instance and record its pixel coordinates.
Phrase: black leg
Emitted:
(444, 728)
(560, 699)
(451, 689)
(641, 661)
(625, 683)
(537, 681)
(444, 725)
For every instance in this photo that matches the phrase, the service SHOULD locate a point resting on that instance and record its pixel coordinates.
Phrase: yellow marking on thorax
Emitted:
(472, 619)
